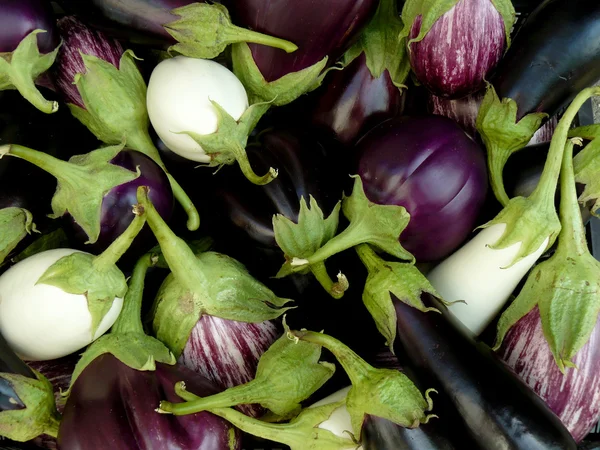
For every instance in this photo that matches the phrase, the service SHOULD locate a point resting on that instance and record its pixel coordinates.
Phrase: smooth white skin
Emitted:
(178, 99)
(42, 322)
(476, 275)
(339, 422)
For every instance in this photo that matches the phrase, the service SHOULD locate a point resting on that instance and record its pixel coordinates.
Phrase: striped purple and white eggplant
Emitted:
(454, 45)
(227, 352)
(575, 396)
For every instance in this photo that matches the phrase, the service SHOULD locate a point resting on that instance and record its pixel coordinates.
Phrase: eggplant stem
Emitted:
(239, 153)
(368, 257)
(235, 34)
(26, 87)
(255, 427)
(44, 161)
(348, 238)
(129, 320)
(335, 289)
(181, 391)
(193, 222)
(113, 253)
(496, 166)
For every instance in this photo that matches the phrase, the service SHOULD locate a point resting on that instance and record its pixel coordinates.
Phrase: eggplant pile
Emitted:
(317, 225)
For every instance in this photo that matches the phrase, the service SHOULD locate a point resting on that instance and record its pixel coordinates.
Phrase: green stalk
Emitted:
(335, 289)
(368, 257)
(44, 161)
(27, 88)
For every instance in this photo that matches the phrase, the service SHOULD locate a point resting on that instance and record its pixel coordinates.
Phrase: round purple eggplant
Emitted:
(113, 406)
(431, 167)
(318, 27)
(21, 17)
(461, 48)
(351, 101)
(572, 396)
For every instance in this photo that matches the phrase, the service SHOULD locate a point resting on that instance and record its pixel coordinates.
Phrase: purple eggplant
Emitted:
(431, 167)
(462, 110)
(113, 406)
(573, 396)
(455, 55)
(227, 352)
(352, 101)
(21, 17)
(478, 397)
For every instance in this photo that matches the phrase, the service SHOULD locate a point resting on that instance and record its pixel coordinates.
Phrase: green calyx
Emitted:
(587, 166)
(39, 416)
(115, 111)
(48, 241)
(127, 340)
(287, 374)
(281, 91)
(381, 45)
(20, 68)
(204, 30)
(404, 281)
(503, 135)
(207, 283)
(566, 287)
(96, 277)
(15, 224)
(301, 433)
(384, 393)
(92, 170)
(227, 145)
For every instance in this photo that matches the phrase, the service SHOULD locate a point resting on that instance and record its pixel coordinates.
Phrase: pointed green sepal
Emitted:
(281, 91)
(15, 224)
(404, 281)
(20, 68)
(93, 171)
(204, 30)
(228, 144)
(301, 433)
(384, 393)
(49, 241)
(587, 166)
(39, 416)
(503, 135)
(288, 373)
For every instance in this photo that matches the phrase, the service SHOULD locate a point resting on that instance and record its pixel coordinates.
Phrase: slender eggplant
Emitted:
(28, 46)
(453, 46)
(117, 113)
(352, 101)
(535, 79)
(398, 161)
(477, 393)
(322, 30)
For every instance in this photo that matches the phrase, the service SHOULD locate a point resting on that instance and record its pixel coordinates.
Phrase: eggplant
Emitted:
(553, 57)
(572, 396)
(352, 101)
(381, 434)
(400, 162)
(478, 395)
(462, 110)
(21, 17)
(452, 54)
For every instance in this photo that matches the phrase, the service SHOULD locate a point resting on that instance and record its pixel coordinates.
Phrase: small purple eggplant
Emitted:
(432, 168)
(453, 46)
(28, 46)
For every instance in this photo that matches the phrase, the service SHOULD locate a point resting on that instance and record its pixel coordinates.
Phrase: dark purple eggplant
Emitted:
(554, 55)
(478, 396)
(21, 17)
(319, 28)
(352, 101)
(572, 396)
(431, 167)
(454, 56)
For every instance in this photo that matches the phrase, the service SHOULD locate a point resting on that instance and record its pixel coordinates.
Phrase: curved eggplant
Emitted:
(553, 56)
(351, 101)
(319, 28)
(21, 17)
(478, 395)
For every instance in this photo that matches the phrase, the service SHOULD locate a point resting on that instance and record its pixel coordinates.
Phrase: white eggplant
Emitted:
(339, 423)
(480, 276)
(179, 97)
(43, 322)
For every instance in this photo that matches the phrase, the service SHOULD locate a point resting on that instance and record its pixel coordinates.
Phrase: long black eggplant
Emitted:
(478, 395)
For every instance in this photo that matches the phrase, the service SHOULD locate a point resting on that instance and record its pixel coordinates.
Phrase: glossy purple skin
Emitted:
(460, 49)
(139, 21)
(352, 101)
(431, 167)
(78, 37)
(573, 397)
(112, 406)
(318, 27)
(21, 17)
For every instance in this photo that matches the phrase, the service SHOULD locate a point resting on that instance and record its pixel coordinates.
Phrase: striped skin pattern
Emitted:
(574, 397)
(459, 50)
(227, 352)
